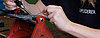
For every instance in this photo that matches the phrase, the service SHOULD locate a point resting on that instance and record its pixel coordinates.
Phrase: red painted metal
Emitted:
(41, 30)
(19, 29)
(17, 10)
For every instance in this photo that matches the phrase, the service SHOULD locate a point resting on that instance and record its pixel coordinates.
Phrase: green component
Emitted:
(32, 1)
(50, 25)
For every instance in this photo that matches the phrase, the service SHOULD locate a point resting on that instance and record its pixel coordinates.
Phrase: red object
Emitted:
(19, 29)
(17, 10)
(41, 30)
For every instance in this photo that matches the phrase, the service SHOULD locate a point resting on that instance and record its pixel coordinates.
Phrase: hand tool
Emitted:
(19, 3)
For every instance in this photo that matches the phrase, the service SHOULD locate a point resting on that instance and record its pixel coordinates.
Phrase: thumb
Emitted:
(45, 12)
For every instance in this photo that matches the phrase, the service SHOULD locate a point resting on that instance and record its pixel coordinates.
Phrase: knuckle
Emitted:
(7, 8)
(54, 7)
(10, 3)
(10, 8)
(59, 7)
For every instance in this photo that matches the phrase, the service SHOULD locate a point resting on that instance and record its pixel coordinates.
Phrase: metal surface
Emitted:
(41, 30)
(25, 16)
(19, 29)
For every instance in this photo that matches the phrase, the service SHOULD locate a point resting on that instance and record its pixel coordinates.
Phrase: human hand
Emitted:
(32, 9)
(10, 5)
(57, 16)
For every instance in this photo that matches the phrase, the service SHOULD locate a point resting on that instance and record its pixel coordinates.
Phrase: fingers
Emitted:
(45, 12)
(53, 12)
(51, 15)
(51, 9)
(10, 5)
(52, 20)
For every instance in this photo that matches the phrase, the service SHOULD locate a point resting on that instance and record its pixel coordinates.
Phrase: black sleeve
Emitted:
(50, 2)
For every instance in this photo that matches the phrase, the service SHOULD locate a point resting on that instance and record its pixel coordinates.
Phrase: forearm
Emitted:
(82, 31)
(35, 9)
(40, 5)
(58, 17)
(32, 9)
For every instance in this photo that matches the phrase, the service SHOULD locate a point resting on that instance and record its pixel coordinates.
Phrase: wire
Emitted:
(2, 35)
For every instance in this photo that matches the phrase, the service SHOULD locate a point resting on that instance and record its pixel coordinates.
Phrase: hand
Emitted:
(11, 5)
(57, 16)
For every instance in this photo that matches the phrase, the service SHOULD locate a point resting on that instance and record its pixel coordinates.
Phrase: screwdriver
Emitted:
(19, 3)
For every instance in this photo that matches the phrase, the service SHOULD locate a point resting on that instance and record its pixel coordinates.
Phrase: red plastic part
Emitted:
(41, 30)
(19, 29)
(17, 10)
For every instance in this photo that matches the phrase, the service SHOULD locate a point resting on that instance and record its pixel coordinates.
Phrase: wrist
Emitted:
(65, 26)
(32, 9)
(68, 26)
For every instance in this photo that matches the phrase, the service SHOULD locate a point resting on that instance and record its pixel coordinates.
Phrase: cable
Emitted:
(2, 35)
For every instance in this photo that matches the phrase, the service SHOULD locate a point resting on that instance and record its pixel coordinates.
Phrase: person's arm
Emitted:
(83, 31)
(58, 17)
(33, 9)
